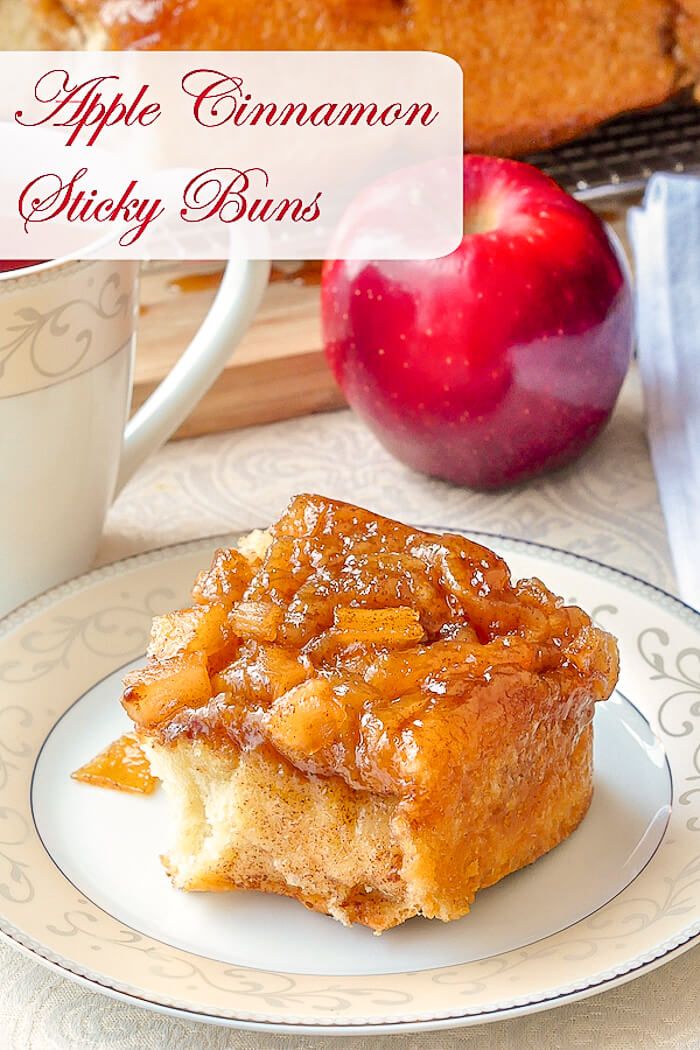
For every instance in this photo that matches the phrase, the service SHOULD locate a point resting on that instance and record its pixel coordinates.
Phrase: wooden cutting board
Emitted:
(276, 372)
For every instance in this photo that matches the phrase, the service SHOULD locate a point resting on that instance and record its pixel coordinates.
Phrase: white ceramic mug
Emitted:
(67, 335)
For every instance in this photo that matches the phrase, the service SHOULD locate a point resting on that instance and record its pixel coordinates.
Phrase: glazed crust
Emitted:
(535, 73)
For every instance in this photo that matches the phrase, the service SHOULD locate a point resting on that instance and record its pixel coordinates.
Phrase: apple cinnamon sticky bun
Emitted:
(372, 719)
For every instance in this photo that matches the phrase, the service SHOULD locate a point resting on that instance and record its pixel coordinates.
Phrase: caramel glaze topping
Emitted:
(359, 647)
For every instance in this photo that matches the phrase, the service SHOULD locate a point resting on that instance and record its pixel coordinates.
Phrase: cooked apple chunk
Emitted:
(225, 580)
(122, 766)
(305, 719)
(257, 619)
(160, 690)
(389, 627)
(202, 629)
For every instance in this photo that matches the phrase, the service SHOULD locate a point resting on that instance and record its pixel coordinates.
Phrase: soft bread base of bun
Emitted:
(246, 821)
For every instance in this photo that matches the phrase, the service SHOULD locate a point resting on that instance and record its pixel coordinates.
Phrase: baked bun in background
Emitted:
(35, 25)
(537, 72)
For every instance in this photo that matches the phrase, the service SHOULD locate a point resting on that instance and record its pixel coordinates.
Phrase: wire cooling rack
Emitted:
(619, 157)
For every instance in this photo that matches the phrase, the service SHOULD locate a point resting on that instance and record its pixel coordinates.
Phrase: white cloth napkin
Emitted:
(665, 237)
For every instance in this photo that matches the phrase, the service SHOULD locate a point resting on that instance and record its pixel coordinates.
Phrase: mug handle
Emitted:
(234, 307)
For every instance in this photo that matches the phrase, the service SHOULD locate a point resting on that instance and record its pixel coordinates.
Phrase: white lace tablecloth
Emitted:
(604, 506)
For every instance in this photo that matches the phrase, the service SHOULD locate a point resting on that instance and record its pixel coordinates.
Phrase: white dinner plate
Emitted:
(82, 888)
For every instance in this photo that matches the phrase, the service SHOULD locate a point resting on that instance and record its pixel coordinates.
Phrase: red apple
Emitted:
(500, 360)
